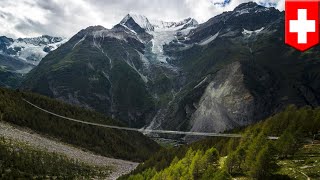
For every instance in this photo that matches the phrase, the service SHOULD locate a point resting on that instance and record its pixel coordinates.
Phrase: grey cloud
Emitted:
(66, 17)
(29, 26)
(7, 16)
(51, 6)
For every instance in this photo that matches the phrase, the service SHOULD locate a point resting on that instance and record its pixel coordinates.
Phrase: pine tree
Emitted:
(222, 175)
(286, 145)
(263, 166)
(232, 162)
(197, 165)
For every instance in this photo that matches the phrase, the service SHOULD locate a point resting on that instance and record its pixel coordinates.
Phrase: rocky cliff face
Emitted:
(238, 71)
(226, 102)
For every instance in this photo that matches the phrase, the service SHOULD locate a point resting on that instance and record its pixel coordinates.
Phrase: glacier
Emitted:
(32, 50)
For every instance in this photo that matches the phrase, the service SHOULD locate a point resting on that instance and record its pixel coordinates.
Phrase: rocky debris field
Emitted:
(119, 167)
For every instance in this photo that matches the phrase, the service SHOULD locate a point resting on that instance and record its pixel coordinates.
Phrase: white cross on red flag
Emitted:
(302, 23)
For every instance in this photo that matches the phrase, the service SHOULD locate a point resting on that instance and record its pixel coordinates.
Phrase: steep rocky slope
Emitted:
(238, 71)
(115, 71)
(230, 71)
(99, 69)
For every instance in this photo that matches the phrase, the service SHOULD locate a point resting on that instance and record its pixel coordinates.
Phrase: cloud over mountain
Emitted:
(25, 18)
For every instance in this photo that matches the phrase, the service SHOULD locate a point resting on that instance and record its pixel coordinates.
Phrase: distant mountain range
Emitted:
(30, 50)
(131, 20)
(228, 72)
(19, 56)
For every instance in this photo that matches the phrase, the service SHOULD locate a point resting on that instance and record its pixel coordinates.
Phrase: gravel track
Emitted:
(119, 167)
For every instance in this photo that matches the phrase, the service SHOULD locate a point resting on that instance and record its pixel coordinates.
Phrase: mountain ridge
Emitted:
(157, 25)
(31, 50)
(173, 79)
(19, 56)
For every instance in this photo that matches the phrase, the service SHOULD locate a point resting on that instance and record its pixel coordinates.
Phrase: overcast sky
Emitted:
(29, 18)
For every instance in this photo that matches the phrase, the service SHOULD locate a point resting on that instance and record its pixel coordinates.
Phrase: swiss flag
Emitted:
(302, 23)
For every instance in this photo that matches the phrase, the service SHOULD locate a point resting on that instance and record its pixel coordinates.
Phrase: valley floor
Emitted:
(119, 167)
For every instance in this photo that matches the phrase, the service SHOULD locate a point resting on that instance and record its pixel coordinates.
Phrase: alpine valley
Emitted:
(229, 72)
(80, 107)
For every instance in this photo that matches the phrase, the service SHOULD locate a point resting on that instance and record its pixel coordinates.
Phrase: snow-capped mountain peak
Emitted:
(131, 20)
(250, 7)
(161, 32)
(42, 40)
(30, 50)
(189, 22)
(140, 20)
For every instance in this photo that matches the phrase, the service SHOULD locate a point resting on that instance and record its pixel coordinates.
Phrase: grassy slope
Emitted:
(107, 142)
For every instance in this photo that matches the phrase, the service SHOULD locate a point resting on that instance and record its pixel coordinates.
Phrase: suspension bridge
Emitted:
(144, 131)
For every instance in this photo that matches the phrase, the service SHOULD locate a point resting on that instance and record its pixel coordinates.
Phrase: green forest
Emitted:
(253, 156)
(21, 161)
(107, 142)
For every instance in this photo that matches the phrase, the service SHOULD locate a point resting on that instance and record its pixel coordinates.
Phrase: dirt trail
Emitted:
(308, 178)
(119, 167)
